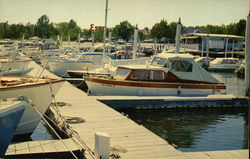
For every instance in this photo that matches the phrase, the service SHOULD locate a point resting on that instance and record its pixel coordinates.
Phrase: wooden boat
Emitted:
(166, 74)
(10, 116)
(38, 90)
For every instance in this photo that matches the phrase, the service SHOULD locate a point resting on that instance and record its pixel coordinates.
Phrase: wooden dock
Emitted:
(147, 102)
(43, 149)
(128, 139)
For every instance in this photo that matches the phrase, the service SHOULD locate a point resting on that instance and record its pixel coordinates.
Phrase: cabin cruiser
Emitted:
(38, 90)
(224, 64)
(10, 116)
(166, 74)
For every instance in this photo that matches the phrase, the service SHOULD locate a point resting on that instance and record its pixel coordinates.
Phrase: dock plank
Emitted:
(35, 147)
(22, 148)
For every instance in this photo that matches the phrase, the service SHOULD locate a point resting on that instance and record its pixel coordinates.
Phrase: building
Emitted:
(215, 42)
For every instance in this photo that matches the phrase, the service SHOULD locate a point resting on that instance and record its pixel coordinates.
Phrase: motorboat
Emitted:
(10, 116)
(203, 61)
(224, 64)
(39, 91)
(166, 74)
(83, 61)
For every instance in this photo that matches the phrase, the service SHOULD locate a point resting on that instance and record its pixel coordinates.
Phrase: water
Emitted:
(196, 129)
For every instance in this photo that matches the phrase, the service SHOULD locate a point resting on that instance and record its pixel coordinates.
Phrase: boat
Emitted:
(224, 64)
(83, 61)
(166, 74)
(203, 61)
(10, 116)
(37, 90)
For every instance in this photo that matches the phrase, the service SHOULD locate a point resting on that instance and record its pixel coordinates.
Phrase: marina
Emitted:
(123, 91)
(127, 138)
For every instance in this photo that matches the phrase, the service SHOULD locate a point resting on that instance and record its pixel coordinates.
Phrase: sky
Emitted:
(144, 13)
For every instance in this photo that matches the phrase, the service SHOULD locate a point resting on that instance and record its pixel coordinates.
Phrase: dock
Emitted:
(45, 149)
(128, 139)
(145, 102)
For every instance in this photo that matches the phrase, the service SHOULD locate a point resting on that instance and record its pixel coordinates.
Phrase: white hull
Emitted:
(224, 66)
(60, 68)
(99, 89)
(41, 97)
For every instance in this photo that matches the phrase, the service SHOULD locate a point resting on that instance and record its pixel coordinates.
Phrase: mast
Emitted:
(105, 28)
(178, 36)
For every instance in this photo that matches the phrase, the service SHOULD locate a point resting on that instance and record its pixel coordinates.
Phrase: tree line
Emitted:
(124, 30)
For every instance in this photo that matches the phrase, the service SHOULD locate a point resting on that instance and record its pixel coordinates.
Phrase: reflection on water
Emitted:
(42, 132)
(196, 129)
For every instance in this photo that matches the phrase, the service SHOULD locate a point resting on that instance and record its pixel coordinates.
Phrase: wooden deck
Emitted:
(46, 148)
(128, 139)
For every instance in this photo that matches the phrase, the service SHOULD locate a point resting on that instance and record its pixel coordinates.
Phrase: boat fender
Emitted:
(179, 90)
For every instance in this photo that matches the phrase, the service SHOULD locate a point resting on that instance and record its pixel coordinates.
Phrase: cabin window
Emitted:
(158, 61)
(181, 66)
(229, 61)
(158, 75)
(121, 73)
(140, 75)
(147, 75)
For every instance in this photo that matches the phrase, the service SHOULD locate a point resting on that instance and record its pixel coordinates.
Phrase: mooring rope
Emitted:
(62, 119)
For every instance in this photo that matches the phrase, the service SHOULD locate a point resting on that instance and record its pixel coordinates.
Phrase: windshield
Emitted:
(158, 61)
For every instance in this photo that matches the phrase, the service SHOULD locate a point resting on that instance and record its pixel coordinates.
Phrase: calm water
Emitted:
(195, 129)
(191, 129)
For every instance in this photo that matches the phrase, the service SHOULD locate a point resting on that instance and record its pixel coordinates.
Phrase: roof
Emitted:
(212, 35)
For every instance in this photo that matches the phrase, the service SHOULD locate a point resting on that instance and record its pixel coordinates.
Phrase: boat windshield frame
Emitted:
(159, 61)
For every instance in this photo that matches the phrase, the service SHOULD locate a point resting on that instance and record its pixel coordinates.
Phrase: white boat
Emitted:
(224, 64)
(38, 90)
(84, 61)
(17, 62)
(167, 74)
(10, 116)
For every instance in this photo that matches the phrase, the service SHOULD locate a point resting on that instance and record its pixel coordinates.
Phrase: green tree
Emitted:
(160, 30)
(241, 27)
(66, 29)
(123, 30)
(45, 29)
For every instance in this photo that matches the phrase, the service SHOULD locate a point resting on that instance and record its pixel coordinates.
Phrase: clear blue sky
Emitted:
(145, 13)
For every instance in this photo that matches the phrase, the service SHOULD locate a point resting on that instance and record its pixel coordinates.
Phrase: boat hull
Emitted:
(9, 119)
(60, 68)
(41, 97)
(123, 88)
(224, 68)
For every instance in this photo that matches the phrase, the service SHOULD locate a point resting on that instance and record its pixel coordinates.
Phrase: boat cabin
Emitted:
(168, 68)
(144, 74)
